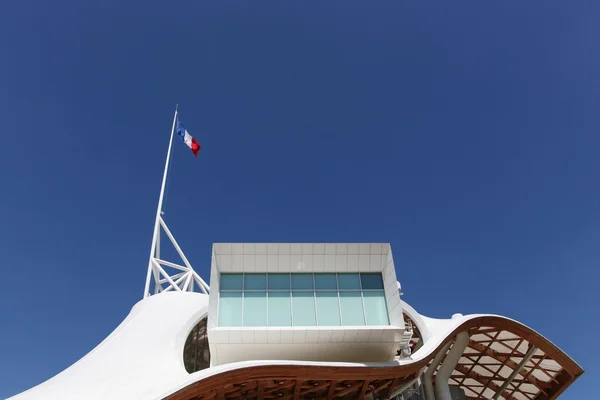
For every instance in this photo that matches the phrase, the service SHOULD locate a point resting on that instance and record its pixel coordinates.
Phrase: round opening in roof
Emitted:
(196, 353)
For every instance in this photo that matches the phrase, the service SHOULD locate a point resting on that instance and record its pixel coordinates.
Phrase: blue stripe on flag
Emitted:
(180, 129)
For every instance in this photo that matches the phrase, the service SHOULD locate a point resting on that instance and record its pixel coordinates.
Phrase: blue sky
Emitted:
(463, 133)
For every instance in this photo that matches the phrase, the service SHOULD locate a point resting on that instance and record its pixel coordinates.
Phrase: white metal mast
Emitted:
(184, 279)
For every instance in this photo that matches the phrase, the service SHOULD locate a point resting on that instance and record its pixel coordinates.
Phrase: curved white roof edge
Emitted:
(143, 357)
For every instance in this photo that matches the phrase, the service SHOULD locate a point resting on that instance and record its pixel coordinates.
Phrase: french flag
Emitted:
(188, 139)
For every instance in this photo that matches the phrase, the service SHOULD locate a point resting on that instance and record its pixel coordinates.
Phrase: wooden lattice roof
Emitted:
(494, 354)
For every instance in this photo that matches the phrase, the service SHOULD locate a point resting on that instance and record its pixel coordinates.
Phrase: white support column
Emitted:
(172, 265)
(428, 375)
(201, 284)
(175, 244)
(515, 372)
(179, 281)
(157, 287)
(157, 250)
(176, 276)
(186, 285)
(442, 390)
(158, 211)
(167, 277)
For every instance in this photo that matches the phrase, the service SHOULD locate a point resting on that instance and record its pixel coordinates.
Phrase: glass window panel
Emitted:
(325, 282)
(302, 282)
(255, 282)
(230, 309)
(255, 308)
(328, 310)
(349, 281)
(371, 281)
(376, 308)
(352, 309)
(279, 282)
(231, 282)
(304, 308)
(280, 313)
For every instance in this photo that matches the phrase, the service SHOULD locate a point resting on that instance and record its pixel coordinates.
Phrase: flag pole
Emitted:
(156, 231)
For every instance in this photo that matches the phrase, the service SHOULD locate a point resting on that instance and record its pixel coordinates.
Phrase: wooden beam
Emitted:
(297, 389)
(483, 365)
(331, 391)
(277, 388)
(494, 375)
(508, 362)
(483, 380)
(394, 383)
(484, 330)
(363, 390)
(313, 388)
(259, 387)
(353, 386)
(515, 372)
(516, 387)
(563, 382)
(471, 366)
(381, 387)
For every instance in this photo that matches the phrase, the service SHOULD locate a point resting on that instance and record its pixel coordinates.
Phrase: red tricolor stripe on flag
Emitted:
(188, 139)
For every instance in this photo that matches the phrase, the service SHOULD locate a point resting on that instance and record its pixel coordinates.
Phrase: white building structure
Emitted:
(304, 301)
(308, 321)
(302, 321)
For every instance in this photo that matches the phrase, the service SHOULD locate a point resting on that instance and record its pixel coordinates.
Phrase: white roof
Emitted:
(143, 358)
